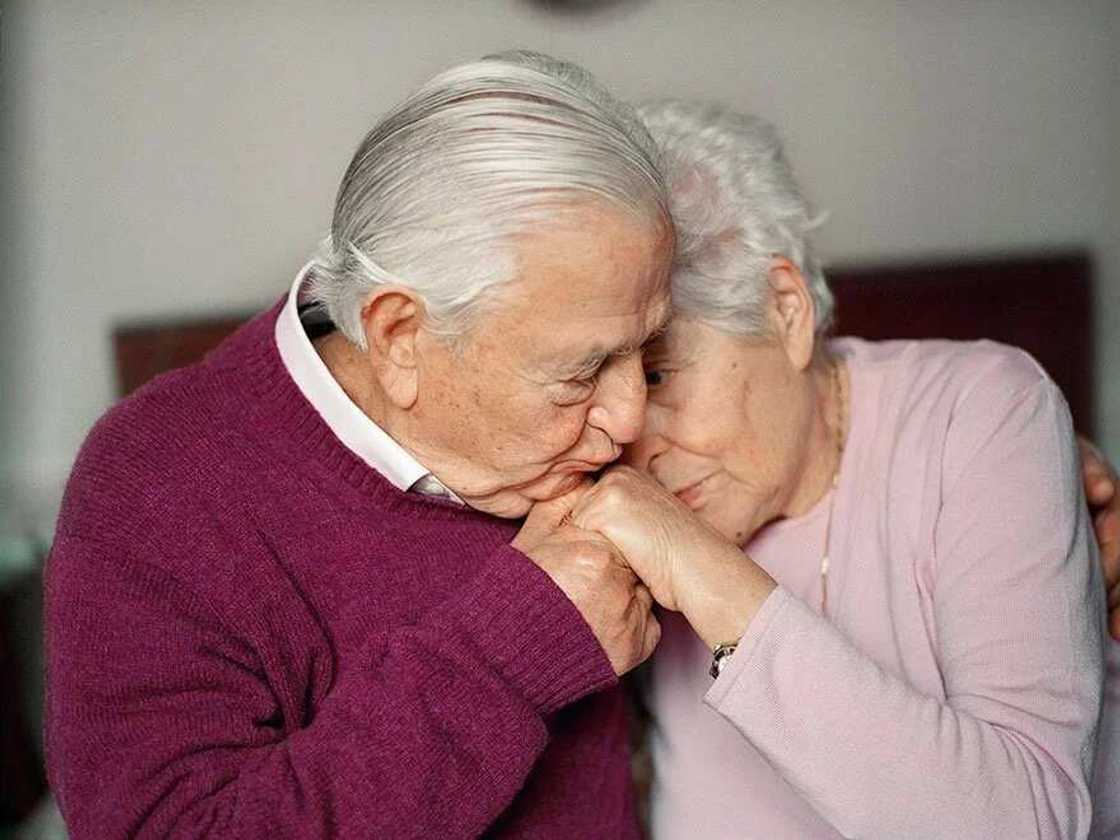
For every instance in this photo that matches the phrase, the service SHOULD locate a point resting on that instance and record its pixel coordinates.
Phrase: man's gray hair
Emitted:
(481, 153)
(736, 206)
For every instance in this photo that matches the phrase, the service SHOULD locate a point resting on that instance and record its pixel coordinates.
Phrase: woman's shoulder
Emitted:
(932, 405)
(961, 365)
(963, 419)
(953, 379)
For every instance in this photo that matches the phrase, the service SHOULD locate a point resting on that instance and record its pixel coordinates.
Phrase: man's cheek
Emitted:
(579, 437)
(554, 432)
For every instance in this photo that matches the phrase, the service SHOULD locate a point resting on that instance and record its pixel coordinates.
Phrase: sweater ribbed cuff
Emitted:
(528, 631)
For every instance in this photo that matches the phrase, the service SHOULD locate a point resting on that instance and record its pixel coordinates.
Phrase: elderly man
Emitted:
(286, 597)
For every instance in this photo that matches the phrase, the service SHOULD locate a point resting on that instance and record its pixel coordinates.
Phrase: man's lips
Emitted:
(562, 470)
(582, 464)
(576, 466)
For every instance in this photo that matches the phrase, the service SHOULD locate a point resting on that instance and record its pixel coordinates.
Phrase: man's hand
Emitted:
(591, 572)
(687, 565)
(1102, 490)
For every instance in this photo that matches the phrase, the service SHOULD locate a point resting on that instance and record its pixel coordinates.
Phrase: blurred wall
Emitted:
(1108, 313)
(166, 157)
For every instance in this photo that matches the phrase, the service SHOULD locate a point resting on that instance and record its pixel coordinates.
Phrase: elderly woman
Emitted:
(911, 645)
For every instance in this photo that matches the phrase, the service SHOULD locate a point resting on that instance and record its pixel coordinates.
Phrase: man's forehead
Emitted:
(598, 283)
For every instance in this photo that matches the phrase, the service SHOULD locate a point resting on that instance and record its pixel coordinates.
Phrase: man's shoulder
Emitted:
(180, 433)
(183, 414)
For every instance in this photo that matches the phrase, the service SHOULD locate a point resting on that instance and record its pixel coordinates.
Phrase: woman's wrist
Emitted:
(723, 598)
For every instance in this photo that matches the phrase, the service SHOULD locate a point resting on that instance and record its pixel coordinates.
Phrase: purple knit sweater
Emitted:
(250, 633)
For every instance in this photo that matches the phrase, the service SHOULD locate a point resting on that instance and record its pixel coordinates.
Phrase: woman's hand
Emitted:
(686, 564)
(1102, 490)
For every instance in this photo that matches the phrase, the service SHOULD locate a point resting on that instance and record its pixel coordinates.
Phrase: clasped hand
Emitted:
(592, 572)
(688, 566)
(612, 545)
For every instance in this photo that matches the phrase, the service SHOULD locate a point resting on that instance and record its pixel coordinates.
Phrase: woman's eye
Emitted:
(655, 377)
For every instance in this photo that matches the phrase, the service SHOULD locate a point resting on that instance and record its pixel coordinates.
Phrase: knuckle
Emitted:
(602, 550)
(596, 560)
(612, 494)
(591, 560)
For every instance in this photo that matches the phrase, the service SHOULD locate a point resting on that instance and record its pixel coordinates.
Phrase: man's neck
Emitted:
(350, 369)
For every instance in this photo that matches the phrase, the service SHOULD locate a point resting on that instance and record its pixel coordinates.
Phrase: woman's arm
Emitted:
(1016, 629)
(1017, 634)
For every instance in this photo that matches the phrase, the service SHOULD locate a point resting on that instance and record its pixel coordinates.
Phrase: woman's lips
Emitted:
(692, 494)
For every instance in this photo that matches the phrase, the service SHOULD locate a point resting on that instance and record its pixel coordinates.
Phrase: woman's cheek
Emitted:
(698, 422)
(728, 520)
(706, 438)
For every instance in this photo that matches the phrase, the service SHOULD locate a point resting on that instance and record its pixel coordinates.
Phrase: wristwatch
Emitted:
(720, 656)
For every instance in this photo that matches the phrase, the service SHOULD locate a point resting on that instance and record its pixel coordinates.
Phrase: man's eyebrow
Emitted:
(650, 337)
(630, 348)
(657, 332)
(597, 356)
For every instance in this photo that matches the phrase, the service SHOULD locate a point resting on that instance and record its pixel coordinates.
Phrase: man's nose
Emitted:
(620, 399)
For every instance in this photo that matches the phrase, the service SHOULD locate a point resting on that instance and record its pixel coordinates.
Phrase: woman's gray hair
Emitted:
(479, 154)
(736, 206)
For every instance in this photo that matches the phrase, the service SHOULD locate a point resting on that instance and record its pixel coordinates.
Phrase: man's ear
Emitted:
(792, 315)
(392, 317)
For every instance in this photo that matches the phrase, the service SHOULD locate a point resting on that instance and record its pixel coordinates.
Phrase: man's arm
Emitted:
(1101, 491)
(164, 720)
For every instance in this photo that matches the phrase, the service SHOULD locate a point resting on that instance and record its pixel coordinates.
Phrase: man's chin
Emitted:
(503, 506)
(515, 502)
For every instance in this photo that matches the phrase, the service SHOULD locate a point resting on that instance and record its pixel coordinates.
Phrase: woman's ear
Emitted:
(392, 317)
(792, 315)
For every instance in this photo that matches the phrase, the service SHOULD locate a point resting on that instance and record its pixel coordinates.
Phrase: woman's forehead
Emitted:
(684, 334)
(693, 339)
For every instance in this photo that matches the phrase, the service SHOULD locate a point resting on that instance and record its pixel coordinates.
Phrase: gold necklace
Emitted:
(838, 388)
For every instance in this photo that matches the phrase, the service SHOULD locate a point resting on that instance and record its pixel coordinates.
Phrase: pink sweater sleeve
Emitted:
(1015, 626)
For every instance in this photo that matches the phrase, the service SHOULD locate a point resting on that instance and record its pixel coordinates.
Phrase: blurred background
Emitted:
(171, 160)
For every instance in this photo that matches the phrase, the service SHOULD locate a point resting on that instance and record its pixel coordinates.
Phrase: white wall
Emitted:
(163, 158)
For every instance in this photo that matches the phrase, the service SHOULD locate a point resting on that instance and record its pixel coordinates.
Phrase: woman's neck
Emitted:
(827, 435)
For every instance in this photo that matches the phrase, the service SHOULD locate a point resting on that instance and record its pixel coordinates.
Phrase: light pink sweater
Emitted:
(953, 690)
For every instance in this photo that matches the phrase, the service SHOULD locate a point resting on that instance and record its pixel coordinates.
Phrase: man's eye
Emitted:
(655, 377)
(576, 390)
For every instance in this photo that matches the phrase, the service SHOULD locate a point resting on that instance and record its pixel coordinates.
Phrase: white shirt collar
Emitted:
(350, 424)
